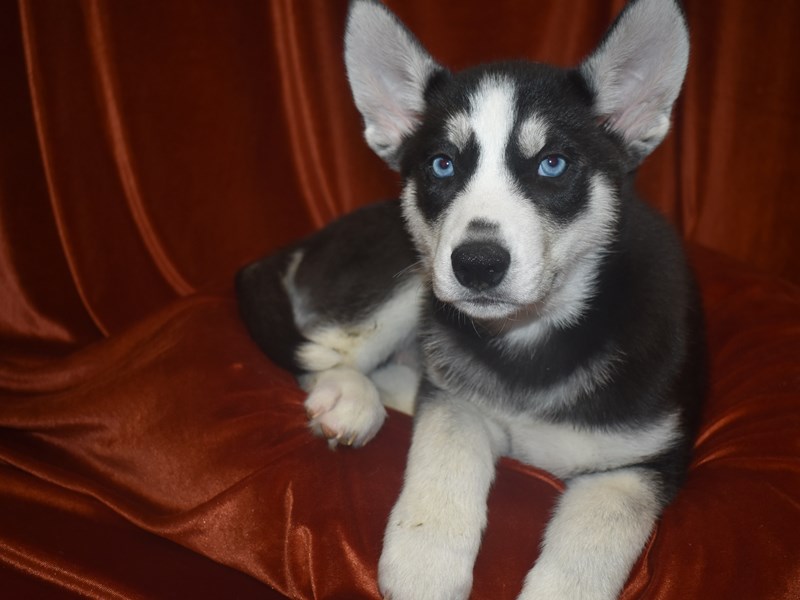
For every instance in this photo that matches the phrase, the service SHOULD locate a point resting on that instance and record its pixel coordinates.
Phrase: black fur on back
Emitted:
(266, 310)
(348, 269)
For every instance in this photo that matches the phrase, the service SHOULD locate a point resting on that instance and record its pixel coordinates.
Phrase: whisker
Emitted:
(474, 327)
(405, 270)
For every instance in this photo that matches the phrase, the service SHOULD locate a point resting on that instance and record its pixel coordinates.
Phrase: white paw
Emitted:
(418, 564)
(565, 582)
(344, 406)
(551, 584)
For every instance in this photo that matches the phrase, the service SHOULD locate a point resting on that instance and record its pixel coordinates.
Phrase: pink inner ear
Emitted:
(388, 70)
(638, 71)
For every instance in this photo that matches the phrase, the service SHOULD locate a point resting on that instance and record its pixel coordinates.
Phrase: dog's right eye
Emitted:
(442, 166)
(552, 166)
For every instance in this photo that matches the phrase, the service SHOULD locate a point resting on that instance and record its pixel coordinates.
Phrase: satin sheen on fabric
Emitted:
(147, 449)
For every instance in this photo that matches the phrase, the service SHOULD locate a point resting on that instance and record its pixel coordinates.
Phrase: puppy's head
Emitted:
(512, 171)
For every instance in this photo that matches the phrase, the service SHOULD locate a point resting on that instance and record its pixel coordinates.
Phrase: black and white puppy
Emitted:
(518, 296)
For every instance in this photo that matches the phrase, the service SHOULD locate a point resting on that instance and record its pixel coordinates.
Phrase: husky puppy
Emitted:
(518, 296)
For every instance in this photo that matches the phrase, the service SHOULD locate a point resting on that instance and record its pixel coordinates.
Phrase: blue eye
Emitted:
(552, 166)
(443, 167)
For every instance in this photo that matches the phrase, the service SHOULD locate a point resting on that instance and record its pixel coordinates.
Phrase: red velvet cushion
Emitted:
(180, 430)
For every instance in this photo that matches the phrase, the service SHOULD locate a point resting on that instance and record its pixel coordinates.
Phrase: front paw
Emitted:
(343, 406)
(420, 563)
(553, 584)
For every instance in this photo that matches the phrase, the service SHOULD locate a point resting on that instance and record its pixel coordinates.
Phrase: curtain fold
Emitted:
(103, 248)
(41, 309)
(122, 153)
(740, 163)
(298, 105)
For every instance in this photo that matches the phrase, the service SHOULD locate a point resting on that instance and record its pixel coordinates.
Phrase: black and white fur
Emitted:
(518, 294)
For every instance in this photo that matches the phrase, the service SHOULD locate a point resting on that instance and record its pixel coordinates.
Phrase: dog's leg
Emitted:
(336, 309)
(435, 528)
(346, 406)
(398, 380)
(353, 369)
(601, 524)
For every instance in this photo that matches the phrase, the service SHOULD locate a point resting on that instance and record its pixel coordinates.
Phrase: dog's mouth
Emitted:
(497, 305)
(487, 307)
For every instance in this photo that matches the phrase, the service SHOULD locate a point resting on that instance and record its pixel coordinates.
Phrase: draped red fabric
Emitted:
(149, 149)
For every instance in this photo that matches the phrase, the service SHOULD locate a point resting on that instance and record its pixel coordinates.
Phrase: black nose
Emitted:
(480, 265)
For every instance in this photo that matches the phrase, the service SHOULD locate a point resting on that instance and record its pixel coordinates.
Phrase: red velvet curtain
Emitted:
(147, 149)
(151, 147)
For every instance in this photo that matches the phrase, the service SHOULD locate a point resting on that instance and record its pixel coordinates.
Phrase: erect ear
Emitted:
(637, 71)
(388, 70)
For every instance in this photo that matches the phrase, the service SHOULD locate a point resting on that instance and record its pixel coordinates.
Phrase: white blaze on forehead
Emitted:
(532, 136)
(492, 119)
(488, 194)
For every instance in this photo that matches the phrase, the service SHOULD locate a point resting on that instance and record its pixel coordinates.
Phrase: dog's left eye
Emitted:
(442, 166)
(552, 166)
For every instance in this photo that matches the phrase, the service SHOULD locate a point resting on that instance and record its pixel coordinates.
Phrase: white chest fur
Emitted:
(566, 450)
